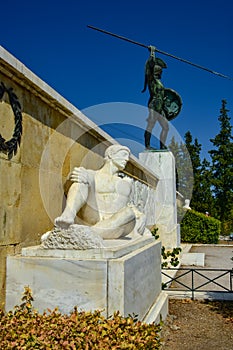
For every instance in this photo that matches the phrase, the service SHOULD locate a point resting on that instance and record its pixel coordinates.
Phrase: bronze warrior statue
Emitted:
(164, 104)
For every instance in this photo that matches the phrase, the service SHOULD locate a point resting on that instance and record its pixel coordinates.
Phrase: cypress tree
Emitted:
(222, 169)
(206, 200)
(194, 149)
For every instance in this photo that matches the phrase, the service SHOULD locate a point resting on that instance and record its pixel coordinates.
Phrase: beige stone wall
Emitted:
(56, 137)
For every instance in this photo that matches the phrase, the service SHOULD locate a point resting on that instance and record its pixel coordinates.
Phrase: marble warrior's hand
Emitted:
(80, 175)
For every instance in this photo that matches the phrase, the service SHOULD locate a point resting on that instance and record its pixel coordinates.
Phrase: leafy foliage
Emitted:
(212, 181)
(205, 202)
(197, 228)
(222, 167)
(170, 257)
(154, 233)
(25, 328)
(202, 198)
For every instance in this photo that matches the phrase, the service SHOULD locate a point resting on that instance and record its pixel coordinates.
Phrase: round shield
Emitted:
(172, 104)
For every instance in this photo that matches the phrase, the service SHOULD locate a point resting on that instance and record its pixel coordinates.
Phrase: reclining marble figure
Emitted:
(100, 199)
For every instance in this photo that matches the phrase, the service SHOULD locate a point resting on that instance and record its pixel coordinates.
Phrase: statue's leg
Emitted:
(163, 135)
(147, 136)
(118, 225)
(151, 120)
(76, 198)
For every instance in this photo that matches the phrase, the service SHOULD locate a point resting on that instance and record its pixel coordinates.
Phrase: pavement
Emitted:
(211, 256)
(217, 256)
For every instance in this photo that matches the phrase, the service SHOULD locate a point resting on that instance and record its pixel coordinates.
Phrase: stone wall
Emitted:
(56, 137)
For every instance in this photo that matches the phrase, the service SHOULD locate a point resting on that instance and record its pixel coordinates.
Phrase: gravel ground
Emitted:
(198, 325)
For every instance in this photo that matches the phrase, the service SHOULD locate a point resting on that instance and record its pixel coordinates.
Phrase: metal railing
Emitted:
(195, 280)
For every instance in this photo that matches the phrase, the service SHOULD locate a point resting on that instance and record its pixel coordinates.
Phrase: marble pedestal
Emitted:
(163, 164)
(124, 277)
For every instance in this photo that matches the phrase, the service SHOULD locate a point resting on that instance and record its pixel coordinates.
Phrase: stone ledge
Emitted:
(113, 249)
(221, 296)
(158, 310)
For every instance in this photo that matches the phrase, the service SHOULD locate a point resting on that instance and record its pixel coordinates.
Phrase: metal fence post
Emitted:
(231, 276)
(192, 285)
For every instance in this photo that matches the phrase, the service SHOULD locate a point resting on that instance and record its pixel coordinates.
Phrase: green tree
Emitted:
(206, 199)
(202, 197)
(222, 168)
(194, 149)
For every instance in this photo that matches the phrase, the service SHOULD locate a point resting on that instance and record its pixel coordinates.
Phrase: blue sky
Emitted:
(92, 69)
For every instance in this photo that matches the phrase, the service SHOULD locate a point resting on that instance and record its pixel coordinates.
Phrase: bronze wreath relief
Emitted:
(10, 147)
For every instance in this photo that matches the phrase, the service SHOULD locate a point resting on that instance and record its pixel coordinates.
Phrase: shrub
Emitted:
(197, 228)
(25, 328)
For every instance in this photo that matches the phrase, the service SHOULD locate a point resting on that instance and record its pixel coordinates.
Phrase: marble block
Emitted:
(163, 164)
(193, 259)
(135, 281)
(130, 283)
(57, 282)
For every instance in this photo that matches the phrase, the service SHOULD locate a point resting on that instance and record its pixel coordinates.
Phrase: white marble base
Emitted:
(114, 248)
(130, 283)
(163, 164)
(158, 310)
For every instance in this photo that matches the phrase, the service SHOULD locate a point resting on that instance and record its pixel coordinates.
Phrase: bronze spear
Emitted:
(160, 51)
